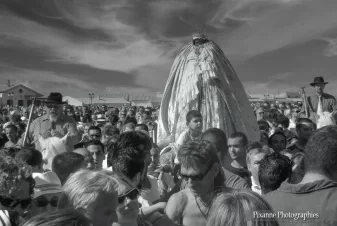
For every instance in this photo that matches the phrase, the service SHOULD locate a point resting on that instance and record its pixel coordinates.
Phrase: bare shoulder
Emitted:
(176, 205)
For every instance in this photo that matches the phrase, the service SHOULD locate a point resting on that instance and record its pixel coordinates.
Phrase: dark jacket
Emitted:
(317, 199)
(329, 104)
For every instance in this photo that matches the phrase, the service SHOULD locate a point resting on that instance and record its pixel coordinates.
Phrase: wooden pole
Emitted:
(29, 122)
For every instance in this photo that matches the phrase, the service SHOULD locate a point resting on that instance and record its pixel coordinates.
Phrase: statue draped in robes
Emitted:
(203, 79)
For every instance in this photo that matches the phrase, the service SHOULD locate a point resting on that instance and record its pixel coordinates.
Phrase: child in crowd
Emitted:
(194, 131)
(12, 135)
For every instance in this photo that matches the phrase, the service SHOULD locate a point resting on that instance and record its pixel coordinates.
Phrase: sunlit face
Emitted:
(11, 134)
(236, 149)
(97, 154)
(278, 143)
(196, 124)
(305, 131)
(319, 87)
(54, 110)
(253, 165)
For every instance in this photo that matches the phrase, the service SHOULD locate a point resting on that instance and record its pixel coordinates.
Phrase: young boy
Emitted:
(194, 131)
(12, 135)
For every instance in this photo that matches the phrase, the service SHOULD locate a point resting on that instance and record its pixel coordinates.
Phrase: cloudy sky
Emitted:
(82, 46)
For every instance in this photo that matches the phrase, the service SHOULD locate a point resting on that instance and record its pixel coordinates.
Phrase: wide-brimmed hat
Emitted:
(55, 98)
(46, 183)
(318, 80)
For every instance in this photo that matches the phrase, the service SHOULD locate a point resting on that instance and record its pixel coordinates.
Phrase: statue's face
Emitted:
(198, 42)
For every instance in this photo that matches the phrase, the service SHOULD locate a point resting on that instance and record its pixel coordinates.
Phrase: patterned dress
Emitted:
(203, 79)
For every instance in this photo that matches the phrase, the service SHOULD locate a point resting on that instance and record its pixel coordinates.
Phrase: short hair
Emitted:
(277, 133)
(263, 125)
(128, 127)
(195, 154)
(256, 151)
(254, 145)
(220, 135)
(94, 142)
(132, 120)
(129, 162)
(12, 173)
(300, 122)
(143, 127)
(11, 126)
(67, 163)
(133, 139)
(83, 189)
(273, 170)
(30, 156)
(284, 121)
(236, 207)
(113, 118)
(239, 135)
(192, 114)
(321, 151)
(59, 218)
(95, 128)
(111, 130)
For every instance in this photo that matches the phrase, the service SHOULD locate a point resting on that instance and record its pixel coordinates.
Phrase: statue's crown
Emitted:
(199, 35)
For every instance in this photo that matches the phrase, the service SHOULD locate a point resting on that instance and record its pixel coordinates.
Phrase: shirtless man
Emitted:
(201, 169)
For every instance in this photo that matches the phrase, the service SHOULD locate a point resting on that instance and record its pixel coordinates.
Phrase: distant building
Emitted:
(18, 95)
(283, 97)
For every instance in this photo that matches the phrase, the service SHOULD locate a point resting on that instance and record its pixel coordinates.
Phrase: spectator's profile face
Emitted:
(11, 133)
(253, 165)
(95, 134)
(154, 156)
(86, 129)
(196, 123)
(44, 203)
(236, 149)
(131, 113)
(305, 131)
(122, 116)
(97, 154)
(104, 212)
(278, 143)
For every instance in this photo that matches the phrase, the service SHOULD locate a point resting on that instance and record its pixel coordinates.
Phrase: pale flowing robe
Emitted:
(203, 79)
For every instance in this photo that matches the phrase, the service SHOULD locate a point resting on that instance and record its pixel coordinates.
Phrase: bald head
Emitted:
(219, 139)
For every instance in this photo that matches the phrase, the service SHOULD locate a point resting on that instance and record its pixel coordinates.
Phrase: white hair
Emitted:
(82, 189)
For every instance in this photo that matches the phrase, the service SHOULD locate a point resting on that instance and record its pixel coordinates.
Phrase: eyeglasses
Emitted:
(95, 135)
(42, 201)
(195, 177)
(131, 195)
(55, 106)
(12, 203)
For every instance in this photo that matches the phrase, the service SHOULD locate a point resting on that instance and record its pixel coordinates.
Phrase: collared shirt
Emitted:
(255, 186)
(43, 126)
(329, 104)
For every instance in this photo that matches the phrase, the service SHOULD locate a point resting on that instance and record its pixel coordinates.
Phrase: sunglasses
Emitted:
(95, 135)
(42, 201)
(12, 203)
(131, 195)
(195, 177)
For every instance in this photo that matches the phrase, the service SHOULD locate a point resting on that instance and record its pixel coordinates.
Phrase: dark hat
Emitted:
(55, 98)
(318, 80)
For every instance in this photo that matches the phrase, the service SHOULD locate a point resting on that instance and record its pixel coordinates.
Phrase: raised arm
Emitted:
(175, 207)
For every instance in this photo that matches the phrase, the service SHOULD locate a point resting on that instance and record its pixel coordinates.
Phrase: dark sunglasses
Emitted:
(195, 177)
(12, 203)
(42, 201)
(95, 135)
(131, 195)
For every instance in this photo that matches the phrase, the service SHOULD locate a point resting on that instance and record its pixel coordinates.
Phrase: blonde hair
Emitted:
(83, 189)
(237, 208)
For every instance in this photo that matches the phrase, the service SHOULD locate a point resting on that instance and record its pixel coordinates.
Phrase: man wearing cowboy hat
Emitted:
(54, 124)
(319, 102)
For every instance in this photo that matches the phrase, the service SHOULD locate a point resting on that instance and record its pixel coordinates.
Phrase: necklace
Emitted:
(202, 212)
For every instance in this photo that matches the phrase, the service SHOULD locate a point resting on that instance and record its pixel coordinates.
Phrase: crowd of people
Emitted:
(103, 166)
